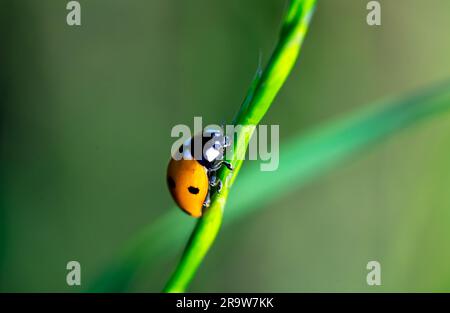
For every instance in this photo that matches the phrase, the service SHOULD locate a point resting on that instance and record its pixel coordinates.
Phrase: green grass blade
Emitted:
(302, 159)
(322, 149)
(260, 97)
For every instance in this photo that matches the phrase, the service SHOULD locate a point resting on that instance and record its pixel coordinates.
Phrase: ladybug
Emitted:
(191, 181)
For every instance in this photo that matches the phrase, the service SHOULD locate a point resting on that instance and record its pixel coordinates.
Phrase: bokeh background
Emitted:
(86, 114)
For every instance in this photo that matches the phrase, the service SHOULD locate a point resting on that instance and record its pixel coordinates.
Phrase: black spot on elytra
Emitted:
(193, 190)
(171, 182)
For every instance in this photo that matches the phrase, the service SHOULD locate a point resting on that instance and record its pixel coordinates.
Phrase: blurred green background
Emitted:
(86, 114)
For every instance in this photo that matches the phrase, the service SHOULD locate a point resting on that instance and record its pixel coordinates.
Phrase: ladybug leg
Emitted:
(228, 165)
(213, 181)
(215, 167)
(207, 202)
(219, 164)
(216, 183)
(219, 186)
